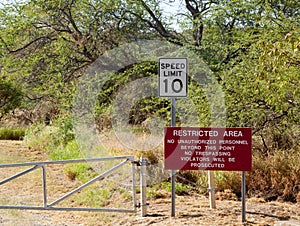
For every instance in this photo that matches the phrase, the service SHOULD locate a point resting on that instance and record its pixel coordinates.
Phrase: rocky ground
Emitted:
(190, 209)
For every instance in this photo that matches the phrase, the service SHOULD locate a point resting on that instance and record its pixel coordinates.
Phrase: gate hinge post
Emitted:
(143, 185)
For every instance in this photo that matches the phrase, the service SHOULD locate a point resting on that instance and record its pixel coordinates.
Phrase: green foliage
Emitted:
(10, 96)
(262, 90)
(46, 45)
(94, 197)
(12, 133)
(80, 171)
(163, 190)
(144, 107)
(60, 145)
(39, 137)
(69, 151)
(65, 133)
(227, 180)
(196, 178)
(51, 138)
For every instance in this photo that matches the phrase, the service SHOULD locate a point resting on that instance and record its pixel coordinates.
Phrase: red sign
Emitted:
(193, 148)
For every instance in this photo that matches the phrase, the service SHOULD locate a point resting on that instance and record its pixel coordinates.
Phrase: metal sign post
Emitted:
(243, 196)
(173, 172)
(172, 82)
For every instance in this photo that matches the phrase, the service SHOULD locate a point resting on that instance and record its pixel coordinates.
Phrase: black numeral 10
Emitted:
(176, 85)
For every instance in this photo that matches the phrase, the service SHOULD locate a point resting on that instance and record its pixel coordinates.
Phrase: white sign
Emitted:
(172, 77)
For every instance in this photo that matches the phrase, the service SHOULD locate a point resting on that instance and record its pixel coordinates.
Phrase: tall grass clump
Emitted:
(58, 142)
(7, 133)
(50, 138)
(275, 176)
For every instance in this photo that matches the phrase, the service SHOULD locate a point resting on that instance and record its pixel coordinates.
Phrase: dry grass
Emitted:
(276, 176)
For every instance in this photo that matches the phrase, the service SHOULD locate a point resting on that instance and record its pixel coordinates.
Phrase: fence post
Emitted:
(211, 185)
(44, 186)
(143, 185)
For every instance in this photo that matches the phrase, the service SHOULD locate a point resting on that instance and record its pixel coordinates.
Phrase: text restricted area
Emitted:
(193, 148)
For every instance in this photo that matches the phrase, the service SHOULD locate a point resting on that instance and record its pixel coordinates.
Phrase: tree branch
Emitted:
(70, 18)
(158, 25)
(31, 43)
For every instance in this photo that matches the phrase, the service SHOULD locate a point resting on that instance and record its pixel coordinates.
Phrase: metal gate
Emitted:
(51, 206)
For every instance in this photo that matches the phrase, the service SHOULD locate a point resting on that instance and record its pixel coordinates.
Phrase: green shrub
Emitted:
(59, 143)
(12, 133)
(10, 96)
(94, 197)
(229, 180)
(163, 190)
(41, 137)
(80, 171)
(51, 138)
(69, 151)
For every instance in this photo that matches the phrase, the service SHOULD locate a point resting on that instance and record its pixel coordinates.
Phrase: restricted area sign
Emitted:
(172, 77)
(193, 148)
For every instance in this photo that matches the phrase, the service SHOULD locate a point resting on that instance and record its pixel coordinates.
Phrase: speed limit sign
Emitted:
(172, 77)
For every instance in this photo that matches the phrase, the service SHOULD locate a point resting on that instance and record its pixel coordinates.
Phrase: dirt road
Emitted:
(190, 210)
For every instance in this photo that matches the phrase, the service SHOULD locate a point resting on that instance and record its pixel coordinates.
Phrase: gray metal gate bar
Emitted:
(19, 174)
(68, 209)
(43, 165)
(65, 161)
(88, 183)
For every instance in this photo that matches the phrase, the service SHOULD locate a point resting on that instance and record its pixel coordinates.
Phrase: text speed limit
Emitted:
(173, 77)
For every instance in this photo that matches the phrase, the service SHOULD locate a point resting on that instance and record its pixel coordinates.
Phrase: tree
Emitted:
(263, 90)
(10, 97)
(46, 45)
(215, 29)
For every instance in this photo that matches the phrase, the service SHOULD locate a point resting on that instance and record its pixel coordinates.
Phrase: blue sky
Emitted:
(174, 7)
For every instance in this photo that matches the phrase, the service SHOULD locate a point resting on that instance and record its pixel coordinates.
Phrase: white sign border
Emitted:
(186, 77)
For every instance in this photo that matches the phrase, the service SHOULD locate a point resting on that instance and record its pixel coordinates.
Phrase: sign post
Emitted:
(211, 187)
(243, 196)
(172, 83)
(173, 172)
